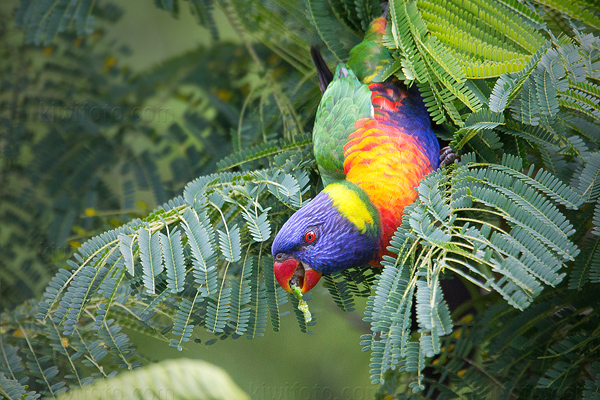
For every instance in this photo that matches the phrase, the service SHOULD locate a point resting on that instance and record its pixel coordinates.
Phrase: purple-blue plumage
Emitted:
(408, 113)
(338, 244)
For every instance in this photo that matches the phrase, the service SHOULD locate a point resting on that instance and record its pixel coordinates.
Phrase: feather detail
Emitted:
(389, 154)
(349, 203)
(369, 56)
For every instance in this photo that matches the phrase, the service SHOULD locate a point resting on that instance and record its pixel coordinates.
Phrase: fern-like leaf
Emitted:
(150, 258)
(178, 379)
(258, 224)
(182, 324)
(230, 243)
(172, 252)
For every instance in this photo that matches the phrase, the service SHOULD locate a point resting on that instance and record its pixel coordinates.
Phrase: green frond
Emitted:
(318, 12)
(13, 389)
(40, 367)
(578, 9)
(340, 291)
(394, 290)
(582, 97)
(202, 9)
(118, 344)
(276, 296)
(574, 62)
(549, 82)
(433, 102)
(204, 13)
(282, 27)
(150, 258)
(439, 232)
(426, 59)
(43, 20)
(523, 11)
(393, 68)
(517, 200)
(53, 291)
(225, 297)
(84, 285)
(553, 79)
(360, 280)
(172, 254)
(92, 351)
(283, 186)
(486, 38)
(508, 85)
(109, 290)
(258, 225)
(592, 386)
(587, 179)
(126, 244)
(151, 304)
(433, 314)
(526, 107)
(10, 361)
(596, 220)
(561, 373)
(476, 122)
(257, 320)
(263, 150)
(59, 345)
(540, 135)
(542, 181)
(182, 324)
(475, 69)
(230, 243)
(174, 379)
(450, 74)
(492, 21)
(218, 309)
(345, 12)
(587, 267)
(201, 243)
(241, 296)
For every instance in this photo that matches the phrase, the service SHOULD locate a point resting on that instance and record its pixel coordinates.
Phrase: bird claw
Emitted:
(447, 156)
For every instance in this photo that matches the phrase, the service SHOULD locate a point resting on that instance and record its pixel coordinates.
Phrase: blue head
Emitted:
(336, 230)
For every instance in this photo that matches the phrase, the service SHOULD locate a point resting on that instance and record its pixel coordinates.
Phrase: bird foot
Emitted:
(447, 156)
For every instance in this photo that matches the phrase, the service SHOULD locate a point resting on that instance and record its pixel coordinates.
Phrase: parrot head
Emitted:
(336, 230)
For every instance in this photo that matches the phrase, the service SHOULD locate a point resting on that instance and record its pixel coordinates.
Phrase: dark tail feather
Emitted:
(386, 9)
(325, 75)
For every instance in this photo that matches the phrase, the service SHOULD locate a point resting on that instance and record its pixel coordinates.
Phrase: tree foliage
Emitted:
(515, 87)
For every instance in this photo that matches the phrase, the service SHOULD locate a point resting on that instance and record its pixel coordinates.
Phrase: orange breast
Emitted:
(387, 164)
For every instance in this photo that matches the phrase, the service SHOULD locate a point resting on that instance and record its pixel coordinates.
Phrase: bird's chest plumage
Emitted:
(390, 153)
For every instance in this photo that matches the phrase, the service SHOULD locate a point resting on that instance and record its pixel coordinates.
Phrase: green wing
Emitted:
(345, 101)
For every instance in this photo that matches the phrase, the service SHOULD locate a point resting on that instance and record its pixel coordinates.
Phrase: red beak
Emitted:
(292, 271)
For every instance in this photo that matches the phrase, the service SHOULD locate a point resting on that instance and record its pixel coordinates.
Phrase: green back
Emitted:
(345, 101)
(369, 56)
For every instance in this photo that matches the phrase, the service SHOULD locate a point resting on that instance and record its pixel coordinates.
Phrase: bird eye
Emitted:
(279, 257)
(310, 237)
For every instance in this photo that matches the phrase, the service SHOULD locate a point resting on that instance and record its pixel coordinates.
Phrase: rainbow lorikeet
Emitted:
(373, 143)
